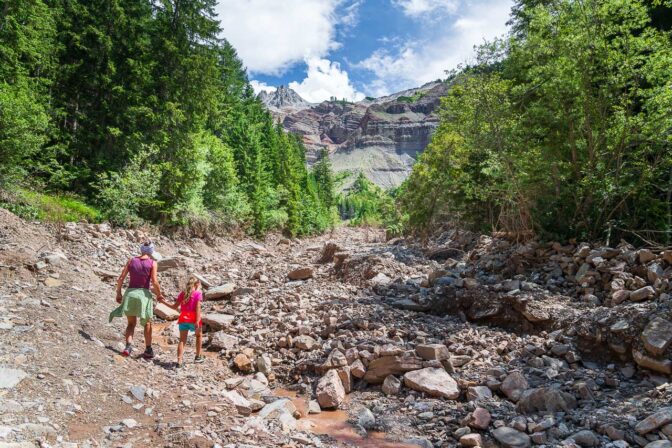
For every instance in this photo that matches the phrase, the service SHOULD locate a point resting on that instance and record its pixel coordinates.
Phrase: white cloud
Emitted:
(415, 8)
(272, 35)
(444, 47)
(260, 86)
(324, 80)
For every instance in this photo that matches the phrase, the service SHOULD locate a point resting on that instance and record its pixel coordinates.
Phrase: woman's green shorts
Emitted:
(137, 302)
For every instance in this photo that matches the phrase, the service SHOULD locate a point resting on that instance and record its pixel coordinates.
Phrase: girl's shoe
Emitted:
(200, 359)
(179, 365)
(149, 353)
(127, 350)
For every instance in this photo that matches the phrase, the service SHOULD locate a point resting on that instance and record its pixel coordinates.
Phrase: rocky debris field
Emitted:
(338, 340)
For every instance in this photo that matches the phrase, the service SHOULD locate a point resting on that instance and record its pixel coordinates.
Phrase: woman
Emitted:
(137, 300)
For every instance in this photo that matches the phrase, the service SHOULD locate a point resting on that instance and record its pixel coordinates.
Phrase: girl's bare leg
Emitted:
(180, 346)
(199, 340)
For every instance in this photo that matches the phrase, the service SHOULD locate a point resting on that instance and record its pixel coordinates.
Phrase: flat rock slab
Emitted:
(216, 322)
(381, 367)
(510, 438)
(657, 336)
(10, 377)
(654, 421)
(165, 312)
(220, 292)
(434, 382)
(301, 274)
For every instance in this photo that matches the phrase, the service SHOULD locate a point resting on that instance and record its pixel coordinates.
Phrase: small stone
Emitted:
(366, 419)
(476, 393)
(479, 419)
(314, 407)
(242, 404)
(304, 342)
(432, 351)
(657, 336)
(138, 392)
(514, 385)
(391, 385)
(301, 274)
(129, 423)
(357, 369)
(510, 438)
(645, 255)
(586, 438)
(243, 363)
(469, 440)
(642, 294)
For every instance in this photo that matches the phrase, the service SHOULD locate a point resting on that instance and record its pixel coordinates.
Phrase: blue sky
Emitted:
(356, 48)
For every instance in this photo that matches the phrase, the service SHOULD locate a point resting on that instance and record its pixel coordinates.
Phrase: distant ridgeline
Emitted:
(145, 114)
(380, 138)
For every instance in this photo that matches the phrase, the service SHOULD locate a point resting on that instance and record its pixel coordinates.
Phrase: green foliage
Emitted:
(562, 129)
(366, 204)
(32, 205)
(417, 96)
(140, 107)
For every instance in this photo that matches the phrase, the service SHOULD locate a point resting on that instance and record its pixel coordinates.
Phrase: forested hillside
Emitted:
(563, 129)
(139, 109)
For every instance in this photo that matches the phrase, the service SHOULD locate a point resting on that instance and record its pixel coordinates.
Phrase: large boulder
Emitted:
(433, 381)
(330, 392)
(220, 292)
(380, 368)
(545, 399)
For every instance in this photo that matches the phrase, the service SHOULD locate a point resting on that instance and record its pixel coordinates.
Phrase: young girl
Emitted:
(189, 302)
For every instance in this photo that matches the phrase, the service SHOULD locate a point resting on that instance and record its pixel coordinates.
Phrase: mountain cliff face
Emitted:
(380, 137)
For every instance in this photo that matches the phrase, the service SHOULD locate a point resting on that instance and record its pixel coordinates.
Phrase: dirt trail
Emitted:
(468, 358)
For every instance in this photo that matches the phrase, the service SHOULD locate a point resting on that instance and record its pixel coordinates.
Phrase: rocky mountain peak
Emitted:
(380, 137)
(283, 98)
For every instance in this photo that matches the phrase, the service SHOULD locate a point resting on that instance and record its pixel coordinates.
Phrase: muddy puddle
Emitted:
(335, 425)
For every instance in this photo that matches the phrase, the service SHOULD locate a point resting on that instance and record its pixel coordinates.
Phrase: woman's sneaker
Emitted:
(127, 351)
(149, 353)
(200, 359)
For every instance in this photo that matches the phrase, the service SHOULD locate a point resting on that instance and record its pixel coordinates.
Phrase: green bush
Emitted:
(31, 205)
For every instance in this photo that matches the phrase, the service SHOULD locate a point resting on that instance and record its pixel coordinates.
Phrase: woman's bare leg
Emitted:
(130, 329)
(148, 334)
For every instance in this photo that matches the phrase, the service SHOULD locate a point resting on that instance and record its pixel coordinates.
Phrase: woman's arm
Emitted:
(155, 283)
(120, 280)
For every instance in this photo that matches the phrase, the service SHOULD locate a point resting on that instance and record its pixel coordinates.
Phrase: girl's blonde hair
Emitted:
(191, 286)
